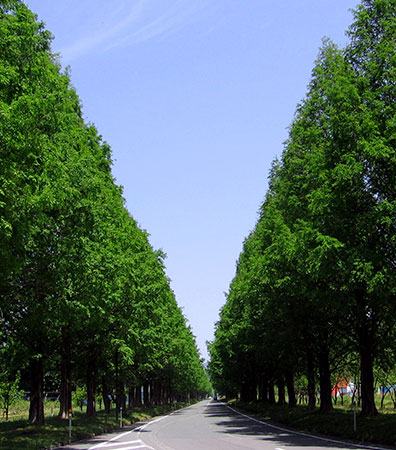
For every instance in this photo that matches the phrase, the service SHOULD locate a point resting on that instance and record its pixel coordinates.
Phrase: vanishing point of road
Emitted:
(210, 425)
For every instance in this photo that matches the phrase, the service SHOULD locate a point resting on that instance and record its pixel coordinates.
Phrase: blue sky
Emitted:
(194, 97)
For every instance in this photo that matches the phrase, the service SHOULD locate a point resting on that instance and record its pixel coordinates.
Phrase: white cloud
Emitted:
(146, 20)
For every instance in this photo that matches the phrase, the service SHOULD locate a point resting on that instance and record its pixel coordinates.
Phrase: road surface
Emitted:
(210, 425)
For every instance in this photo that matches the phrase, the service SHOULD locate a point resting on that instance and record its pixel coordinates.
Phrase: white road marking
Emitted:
(111, 443)
(138, 446)
(104, 444)
(149, 423)
(117, 444)
(299, 433)
(126, 445)
(121, 445)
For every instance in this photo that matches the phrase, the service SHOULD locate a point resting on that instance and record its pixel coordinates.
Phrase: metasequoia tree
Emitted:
(332, 254)
(372, 55)
(81, 287)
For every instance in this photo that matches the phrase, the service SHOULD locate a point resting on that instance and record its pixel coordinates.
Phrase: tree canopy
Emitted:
(314, 288)
(84, 298)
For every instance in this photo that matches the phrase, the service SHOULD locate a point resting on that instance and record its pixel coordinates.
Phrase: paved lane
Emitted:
(210, 425)
(213, 425)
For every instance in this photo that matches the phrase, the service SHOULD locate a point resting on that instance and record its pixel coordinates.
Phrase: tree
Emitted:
(371, 53)
(9, 392)
(334, 193)
(80, 283)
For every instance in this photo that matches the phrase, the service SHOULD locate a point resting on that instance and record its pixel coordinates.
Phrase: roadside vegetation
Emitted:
(311, 311)
(85, 304)
(19, 434)
(337, 423)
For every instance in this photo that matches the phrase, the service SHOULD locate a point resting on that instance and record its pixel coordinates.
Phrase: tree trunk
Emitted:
(248, 391)
(91, 387)
(7, 405)
(252, 391)
(155, 393)
(324, 379)
(281, 391)
(311, 379)
(65, 397)
(117, 387)
(271, 392)
(131, 398)
(291, 393)
(36, 410)
(366, 371)
(263, 390)
(123, 401)
(244, 392)
(164, 395)
(146, 395)
(106, 395)
(138, 395)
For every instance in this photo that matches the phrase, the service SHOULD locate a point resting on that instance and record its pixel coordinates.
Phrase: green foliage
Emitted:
(82, 291)
(9, 392)
(315, 282)
(79, 396)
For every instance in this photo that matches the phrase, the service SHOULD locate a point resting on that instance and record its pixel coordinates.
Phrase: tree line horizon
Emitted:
(84, 298)
(314, 294)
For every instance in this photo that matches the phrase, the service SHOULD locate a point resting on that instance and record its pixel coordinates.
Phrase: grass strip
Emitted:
(21, 435)
(338, 423)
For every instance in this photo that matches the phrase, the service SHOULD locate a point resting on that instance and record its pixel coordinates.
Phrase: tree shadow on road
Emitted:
(232, 423)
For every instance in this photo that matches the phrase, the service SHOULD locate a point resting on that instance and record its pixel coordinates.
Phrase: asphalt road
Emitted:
(209, 425)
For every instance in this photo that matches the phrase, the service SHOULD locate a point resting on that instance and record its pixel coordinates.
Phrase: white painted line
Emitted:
(299, 433)
(118, 444)
(138, 446)
(126, 445)
(149, 423)
(104, 444)
(138, 429)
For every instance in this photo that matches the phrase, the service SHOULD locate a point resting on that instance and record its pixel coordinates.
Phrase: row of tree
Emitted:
(314, 295)
(84, 299)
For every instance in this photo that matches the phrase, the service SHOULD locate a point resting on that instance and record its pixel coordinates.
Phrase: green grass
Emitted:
(337, 423)
(21, 435)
